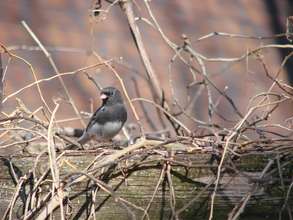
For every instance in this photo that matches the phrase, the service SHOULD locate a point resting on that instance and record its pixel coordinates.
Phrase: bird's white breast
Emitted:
(107, 130)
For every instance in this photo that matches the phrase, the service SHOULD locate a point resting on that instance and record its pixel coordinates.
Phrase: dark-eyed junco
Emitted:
(108, 119)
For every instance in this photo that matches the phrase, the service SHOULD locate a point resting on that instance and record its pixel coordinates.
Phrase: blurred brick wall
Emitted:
(66, 23)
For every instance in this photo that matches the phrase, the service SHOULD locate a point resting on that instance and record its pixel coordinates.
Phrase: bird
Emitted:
(108, 119)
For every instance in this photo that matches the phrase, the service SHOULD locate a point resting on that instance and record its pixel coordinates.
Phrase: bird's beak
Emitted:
(103, 96)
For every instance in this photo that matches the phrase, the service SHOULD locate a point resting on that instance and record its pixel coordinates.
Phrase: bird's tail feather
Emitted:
(70, 132)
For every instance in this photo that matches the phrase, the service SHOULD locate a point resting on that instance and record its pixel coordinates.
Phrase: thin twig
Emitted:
(48, 55)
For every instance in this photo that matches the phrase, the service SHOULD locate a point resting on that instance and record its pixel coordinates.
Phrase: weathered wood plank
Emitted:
(139, 186)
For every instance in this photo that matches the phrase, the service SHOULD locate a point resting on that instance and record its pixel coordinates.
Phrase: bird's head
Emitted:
(111, 95)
